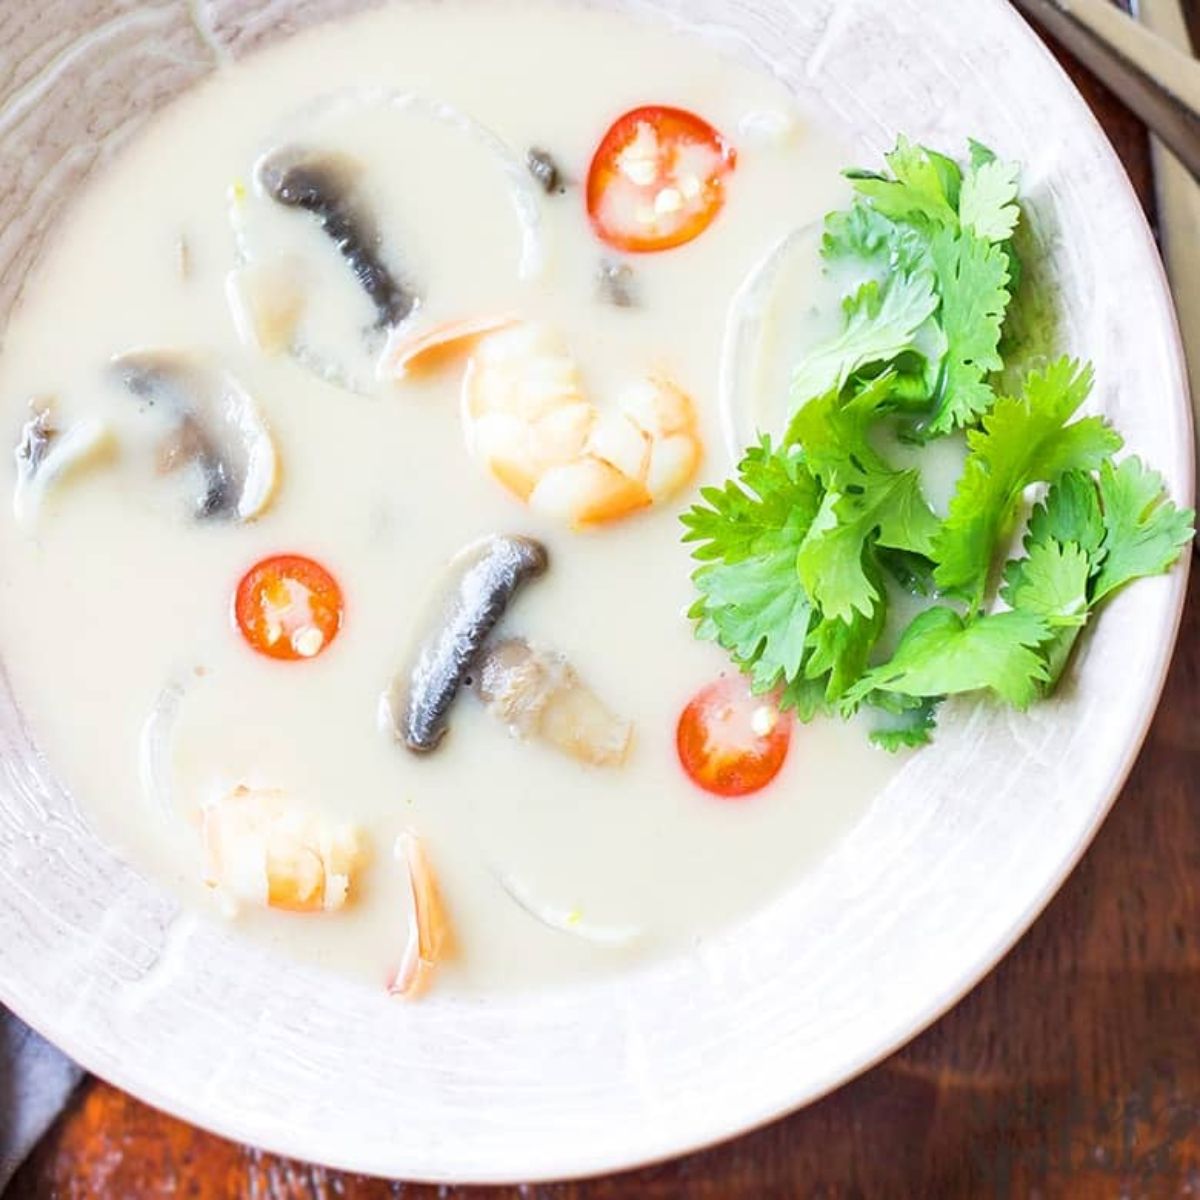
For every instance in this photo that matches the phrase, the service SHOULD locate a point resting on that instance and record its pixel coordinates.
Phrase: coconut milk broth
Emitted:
(118, 592)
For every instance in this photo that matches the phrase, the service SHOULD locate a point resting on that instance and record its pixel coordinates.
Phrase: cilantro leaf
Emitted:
(987, 206)
(906, 522)
(905, 723)
(912, 572)
(1124, 524)
(881, 323)
(980, 154)
(866, 500)
(1051, 582)
(757, 610)
(1063, 553)
(972, 281)
(858, 234)
(1086, 540)
(805, 697)
(925, 185)
(863, 236)
(1070, 513)
(775, 487)
(1143, 531)
(942, 654)
(832, 557)
(1022, 441)
(750, 599)
(1065, 527)
(835, 435)
(839, 650)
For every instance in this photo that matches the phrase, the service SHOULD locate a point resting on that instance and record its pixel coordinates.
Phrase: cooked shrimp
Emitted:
(409, 353)
(429, 935)
(262, 849)
(529, 421)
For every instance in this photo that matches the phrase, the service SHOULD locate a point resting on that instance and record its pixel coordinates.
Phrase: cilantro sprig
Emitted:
(1090, 537)
(933, 244)
(801, 556)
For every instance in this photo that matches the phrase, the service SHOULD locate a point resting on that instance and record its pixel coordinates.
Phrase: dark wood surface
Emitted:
(1073, 1070)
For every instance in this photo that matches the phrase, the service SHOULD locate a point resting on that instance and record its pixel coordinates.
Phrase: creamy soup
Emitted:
(227, 356)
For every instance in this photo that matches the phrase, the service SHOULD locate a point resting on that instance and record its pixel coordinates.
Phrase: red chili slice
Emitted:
(657, 179)
(288, 607)
(730, 742)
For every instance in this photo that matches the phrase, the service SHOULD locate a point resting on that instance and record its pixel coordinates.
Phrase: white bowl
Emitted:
(950, 865)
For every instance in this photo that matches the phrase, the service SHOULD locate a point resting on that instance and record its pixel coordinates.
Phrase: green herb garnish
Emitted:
(799, 554)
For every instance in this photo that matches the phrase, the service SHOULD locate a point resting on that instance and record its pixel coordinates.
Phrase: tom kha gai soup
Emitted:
(436, 547)
(344, 583)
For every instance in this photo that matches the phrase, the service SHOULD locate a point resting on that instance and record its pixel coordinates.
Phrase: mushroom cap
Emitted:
(214, 424)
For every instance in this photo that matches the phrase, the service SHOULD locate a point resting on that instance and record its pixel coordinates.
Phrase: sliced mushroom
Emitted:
(351, 226)
(545, 170)
(430, 939)
(480, 583)
(213, 425)
(324, 185)
(47, 456)
(540, 695)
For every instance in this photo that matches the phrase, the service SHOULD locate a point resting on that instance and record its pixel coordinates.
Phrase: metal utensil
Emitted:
(1156, 80)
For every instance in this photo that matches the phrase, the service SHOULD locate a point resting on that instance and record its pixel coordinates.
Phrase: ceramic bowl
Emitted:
(930, 888)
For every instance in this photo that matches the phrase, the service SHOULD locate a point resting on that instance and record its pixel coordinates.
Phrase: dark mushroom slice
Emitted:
(538, 694)
(323, 185)
(480, 584)
(546, 171)
(212, 424)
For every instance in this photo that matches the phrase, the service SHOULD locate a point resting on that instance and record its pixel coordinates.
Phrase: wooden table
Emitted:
(1073, 1070)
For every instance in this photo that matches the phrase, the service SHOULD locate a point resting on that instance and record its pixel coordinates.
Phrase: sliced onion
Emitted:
(567, 920)
(743, 334)
(154, 750)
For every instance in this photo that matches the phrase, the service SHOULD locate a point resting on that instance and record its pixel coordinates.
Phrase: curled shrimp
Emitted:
(429, 935)
(528, 420)
(409, 353)
(263, 849)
